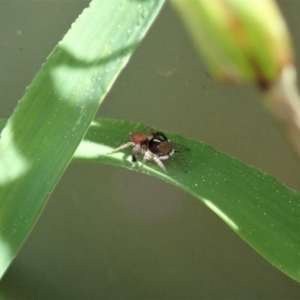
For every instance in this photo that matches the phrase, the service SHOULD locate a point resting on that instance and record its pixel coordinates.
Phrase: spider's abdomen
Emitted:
(163, 149)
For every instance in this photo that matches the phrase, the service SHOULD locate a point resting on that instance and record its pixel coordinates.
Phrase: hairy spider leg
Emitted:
(179, 146)
(150, 156)
(135, 150)
(160, 164)
(182, 160)
(122, 147)
(158, 135)
(181, 157)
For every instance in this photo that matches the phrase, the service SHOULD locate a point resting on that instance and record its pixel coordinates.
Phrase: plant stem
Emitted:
(283, 102)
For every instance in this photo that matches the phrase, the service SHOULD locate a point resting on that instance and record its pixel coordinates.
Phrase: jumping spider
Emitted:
(155, 147)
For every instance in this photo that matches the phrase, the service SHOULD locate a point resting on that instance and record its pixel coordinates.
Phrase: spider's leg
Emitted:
(122, 147)
(159, 162)
(182, 160)
(160, 135)
(180, 147)
(135, 150)
(147, 156)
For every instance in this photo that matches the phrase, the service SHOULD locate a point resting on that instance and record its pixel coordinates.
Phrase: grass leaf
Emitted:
(260, 209)
(49, 122)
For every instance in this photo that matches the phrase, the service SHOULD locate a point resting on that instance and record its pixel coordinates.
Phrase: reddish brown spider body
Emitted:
(155, 147)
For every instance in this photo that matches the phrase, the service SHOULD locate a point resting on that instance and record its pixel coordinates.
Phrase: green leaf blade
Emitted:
(259, 208)
(45, 129)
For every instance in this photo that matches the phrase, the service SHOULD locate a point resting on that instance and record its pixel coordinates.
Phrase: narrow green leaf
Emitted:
(260, 209)
(45, 129)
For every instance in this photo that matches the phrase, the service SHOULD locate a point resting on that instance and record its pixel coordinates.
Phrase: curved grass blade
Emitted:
(50, 120)
(260, 209)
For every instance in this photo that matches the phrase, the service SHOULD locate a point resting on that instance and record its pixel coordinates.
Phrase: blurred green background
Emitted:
(108, 233)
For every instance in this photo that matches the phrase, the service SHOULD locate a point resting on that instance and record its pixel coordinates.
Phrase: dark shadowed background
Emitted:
(109, 233)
